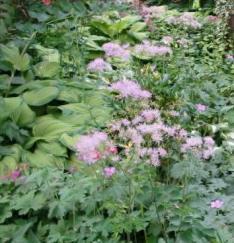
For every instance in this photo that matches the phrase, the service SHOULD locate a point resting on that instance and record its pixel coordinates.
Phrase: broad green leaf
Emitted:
(19, 61)
(46, 69)
(19, 111)
(69, 141)
(39, 97)
(40, 159)
(50, 128)
(54, 148)
(123, 24)
(48, 54)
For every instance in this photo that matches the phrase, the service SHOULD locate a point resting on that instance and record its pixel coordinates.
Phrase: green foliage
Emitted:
(128, 28)
(49, 99)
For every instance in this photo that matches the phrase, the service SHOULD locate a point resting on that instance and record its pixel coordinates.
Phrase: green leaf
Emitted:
(40, 159)
(19, 111)
(19, 61)
(41, 96)
(54, 148)
(47, 69)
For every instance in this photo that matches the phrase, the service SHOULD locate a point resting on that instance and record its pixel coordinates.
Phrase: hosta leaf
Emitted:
(69, 141)
(70, 94)
(139, 35)
(46, 69)
(48, 54)
(50, 128)
(19, 111)
(8, 163)
(21, 62)
(54, 148)
(40, 159)
(139, 26)
(123, 24)
(41, 96)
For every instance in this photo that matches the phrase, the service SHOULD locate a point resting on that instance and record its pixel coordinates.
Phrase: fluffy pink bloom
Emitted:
(186, 19)
(15, 174)
(148, 49)
(209, 141)
(162, 152)
(167, 40)
(112, 150)
(200, 107)
(46, 2)
(150, 115)
(109, 171)
(216, 204)
(125, 122)
(129, 88)
(137, 120)
(99, 65)
(154, 157)
(88, 147)
(212, 19)
(116, 50)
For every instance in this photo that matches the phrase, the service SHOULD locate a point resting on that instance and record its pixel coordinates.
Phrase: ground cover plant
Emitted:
(116, 123)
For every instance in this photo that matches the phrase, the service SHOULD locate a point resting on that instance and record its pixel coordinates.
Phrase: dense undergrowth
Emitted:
(116, 124)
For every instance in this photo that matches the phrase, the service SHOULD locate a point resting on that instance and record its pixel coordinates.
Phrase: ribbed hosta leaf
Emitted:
(41, 96)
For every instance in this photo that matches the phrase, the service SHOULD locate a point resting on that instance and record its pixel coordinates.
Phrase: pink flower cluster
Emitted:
(115, 50)
(216, 204)
(148, 49)
(130, 89)
(201, 147)
(147, 128)
(167, 40)
(109, 171)
(99, 65)
(148, 134)
(212, 19)
(186, 19)
(152, 12)
(201, 107)
(46, 2)
(94, 147)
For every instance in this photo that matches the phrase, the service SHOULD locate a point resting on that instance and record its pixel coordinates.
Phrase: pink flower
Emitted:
(150, 115)
(109, 171)
(200, 107)
(216, 203)
(212, 19)
(112, 150)
(99, 65)
(129, 88)
(167, 40)
(148, 49)
(46, 2)
(162, 152)
(116, 50)
(88, 147)
(15, 174)
(186, 19)
(209, 141)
